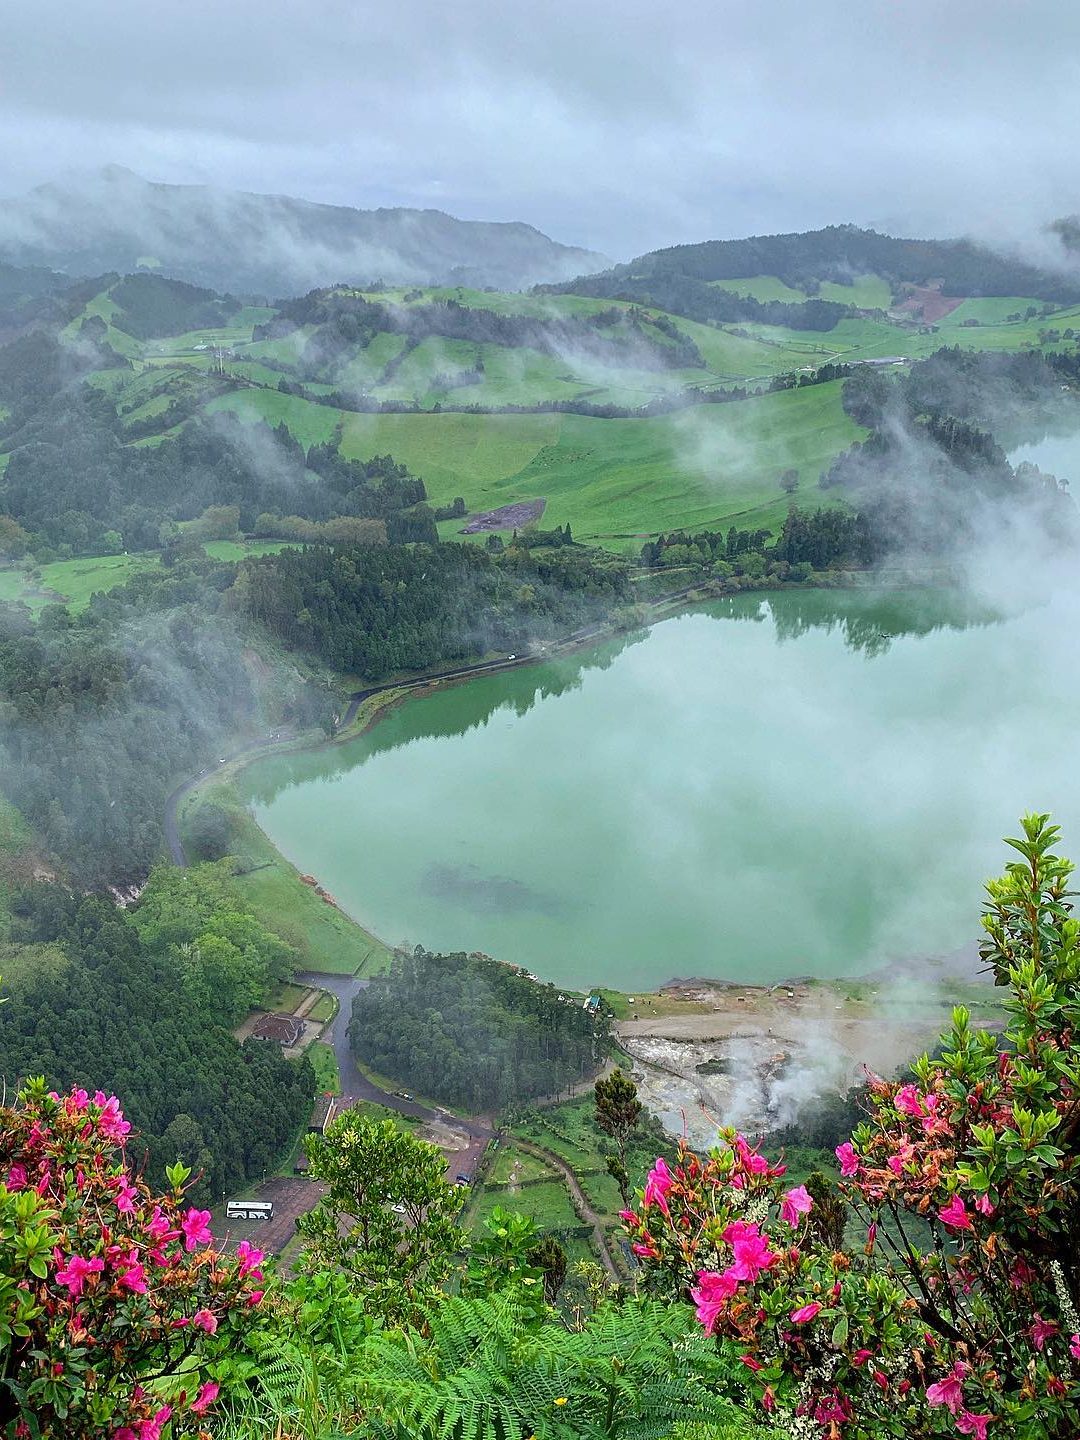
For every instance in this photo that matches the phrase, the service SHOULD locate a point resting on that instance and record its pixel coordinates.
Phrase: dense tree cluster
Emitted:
(375, 612)
(809, 540)
(101, 715)
(925, 480)
(93, 1001)
(685, 294)
(74, 477)
(473, 1032)
(988, 387)
(152, 305)
(344, 320)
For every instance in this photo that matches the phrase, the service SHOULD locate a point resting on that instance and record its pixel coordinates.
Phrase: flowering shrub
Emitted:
(956, 1311)
(112, 1300)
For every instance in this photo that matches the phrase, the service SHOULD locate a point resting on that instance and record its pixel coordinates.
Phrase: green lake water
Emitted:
(808, 782)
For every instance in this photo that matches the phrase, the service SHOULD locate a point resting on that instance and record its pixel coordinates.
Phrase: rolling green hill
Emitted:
(422, 374)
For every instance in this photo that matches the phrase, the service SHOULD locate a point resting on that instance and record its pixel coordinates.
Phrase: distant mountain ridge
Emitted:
(269, 245)
(683, 278)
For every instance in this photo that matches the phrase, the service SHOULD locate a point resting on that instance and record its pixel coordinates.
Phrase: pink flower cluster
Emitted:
(121, 1275)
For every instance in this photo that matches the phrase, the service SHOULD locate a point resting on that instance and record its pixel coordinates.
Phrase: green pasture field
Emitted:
(611, 480)
(363, 369)
(105, 307)
(240, 549)
(311, 424)
(72, 582)
(324, 1060)
(501, 302)
(992, 310)
(12, 585)
(548, 1204)
(866, 292)
(324, 937)
(763, 288)
(513, 1165)
(156, 405)
(569, 1131)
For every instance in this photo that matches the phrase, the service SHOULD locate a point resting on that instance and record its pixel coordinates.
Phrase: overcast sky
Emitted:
(608, 123)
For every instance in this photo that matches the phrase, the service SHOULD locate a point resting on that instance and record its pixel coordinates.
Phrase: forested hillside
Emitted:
(675, 277)
(96, 997)
(472, 1032)
(376, 612)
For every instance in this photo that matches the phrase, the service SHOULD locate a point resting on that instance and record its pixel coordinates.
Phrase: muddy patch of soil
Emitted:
(927, 304)
(506, 517)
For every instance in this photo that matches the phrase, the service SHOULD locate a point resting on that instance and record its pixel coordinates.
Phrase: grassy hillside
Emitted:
(613, 480)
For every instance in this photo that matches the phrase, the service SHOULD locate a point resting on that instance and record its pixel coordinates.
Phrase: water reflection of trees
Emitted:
(870, 620)
(472, 704)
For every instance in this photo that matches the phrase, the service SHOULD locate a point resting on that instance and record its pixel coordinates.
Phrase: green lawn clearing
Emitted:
(327, 1079)
(323, 936)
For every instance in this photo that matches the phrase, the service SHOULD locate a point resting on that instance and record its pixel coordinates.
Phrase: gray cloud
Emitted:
(608, 123)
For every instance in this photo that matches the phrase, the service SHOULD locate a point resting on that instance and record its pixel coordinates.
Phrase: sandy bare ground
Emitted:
(752, 1056)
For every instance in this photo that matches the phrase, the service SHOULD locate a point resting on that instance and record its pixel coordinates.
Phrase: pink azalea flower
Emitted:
(125, 1195)
(969, 1424)
(249, 1259)
(255, 1297)
(907, 1101)
(836, 1408)
(950, 1391)
(205, 1320)
(111, 1121)
(955, 1215)
(903, 1154)
(711, 1295)
(861, 1356)
(768, 1400)
(151, 1429)
(157, 1227)
(77, 1100)
(796, 1202)
(196, 1228)
(75, 1273)
(16, 1178)
(1021, 1274)
(849, 1161)
(1074, 1347)
(751, 1363)
(133, 1278)
(804, 1313)
(983, 1205)
(205, 1398)
(125, 1433)
(1041, 1331)
(657, 1184)
(750, 1159)
(750, 1251)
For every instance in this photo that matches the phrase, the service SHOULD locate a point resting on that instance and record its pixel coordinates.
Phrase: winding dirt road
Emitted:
(581, 1204)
